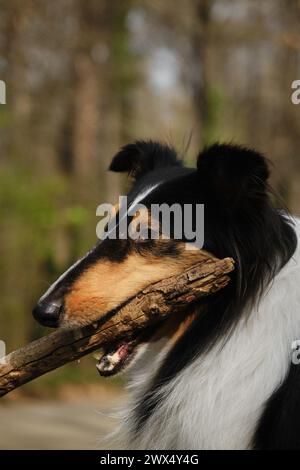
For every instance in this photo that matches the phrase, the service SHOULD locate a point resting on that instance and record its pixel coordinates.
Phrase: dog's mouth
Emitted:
(116, 358)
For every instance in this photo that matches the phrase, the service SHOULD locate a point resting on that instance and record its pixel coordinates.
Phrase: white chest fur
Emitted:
(216, 401)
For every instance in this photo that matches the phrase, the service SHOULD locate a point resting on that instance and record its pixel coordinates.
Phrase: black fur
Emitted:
(230, 174)
(278, 428)
(143, 156)
(240, 221)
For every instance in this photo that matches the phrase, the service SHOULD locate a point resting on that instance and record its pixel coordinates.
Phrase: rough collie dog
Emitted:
(221, 377)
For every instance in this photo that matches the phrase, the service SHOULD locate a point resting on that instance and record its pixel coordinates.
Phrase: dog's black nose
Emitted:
(47, 314)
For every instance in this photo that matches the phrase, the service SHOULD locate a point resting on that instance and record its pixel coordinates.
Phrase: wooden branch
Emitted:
(151, 305)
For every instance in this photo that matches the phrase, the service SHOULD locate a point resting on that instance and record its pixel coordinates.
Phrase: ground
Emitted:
(72, 422)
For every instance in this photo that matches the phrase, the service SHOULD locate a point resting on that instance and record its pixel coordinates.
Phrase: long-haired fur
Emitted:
(241, 221)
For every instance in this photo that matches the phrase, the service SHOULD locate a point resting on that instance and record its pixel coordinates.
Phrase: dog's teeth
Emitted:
(111, 360)
(108, 362)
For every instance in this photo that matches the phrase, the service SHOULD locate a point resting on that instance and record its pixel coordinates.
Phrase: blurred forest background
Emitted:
(84, 77)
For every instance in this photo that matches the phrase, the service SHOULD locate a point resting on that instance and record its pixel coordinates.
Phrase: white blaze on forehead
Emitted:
(142, 195)
(134, 203)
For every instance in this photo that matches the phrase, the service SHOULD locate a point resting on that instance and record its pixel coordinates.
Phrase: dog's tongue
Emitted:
(113, 360)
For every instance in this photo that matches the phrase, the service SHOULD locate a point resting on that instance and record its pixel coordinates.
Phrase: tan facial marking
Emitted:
(182, 328)
(107, 284)
(174, 328)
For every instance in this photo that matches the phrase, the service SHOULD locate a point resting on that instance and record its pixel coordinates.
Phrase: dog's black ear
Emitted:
(231, 173)
(141, 157)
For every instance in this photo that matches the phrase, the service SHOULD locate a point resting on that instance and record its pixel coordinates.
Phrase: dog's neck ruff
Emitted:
(217, 400)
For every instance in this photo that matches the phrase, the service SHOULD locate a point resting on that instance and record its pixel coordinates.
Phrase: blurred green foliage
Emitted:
(212, 129)
(37, 215)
